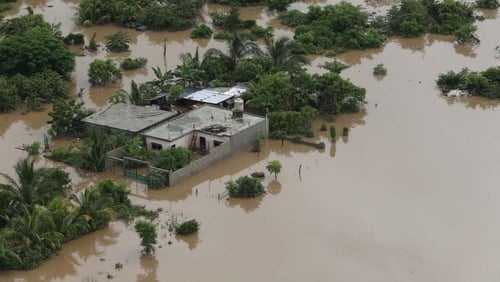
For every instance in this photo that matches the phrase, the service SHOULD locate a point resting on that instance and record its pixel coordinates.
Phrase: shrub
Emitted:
(8, 96)
(256, 145)
(155, 179)
(103, 72)
(173, 158)
(333, 133)
(67, 156)
(320, 145)
(323, 127)
(345, 131)
(379, 70)
(118, 42)
(130, 64)
(487, 4)
(297, 138)
(261, 32)
(148, 235)
(187, 227)
(33, 148)
(245, 187)
(74, 39)
(201, 31)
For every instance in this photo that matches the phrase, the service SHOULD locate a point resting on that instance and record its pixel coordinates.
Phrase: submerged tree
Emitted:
(147, 232)
(239, 46)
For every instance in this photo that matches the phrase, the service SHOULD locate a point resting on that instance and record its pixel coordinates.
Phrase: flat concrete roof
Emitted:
(203, 117)
(129, 117)
(214, 95)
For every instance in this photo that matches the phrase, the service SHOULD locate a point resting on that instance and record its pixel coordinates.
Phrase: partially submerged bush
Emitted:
(155, 179)
(187, 227)
(485, 83)
(130, 64)
(379, 70)
(201, 31)
(245, 187)
(33, 148)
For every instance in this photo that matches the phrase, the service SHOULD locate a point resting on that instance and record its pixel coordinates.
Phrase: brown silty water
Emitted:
(411, 195)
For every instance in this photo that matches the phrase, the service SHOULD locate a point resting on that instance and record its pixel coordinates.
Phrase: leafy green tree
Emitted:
(36, 50)
(130, 64)
(271, 93)
(274, 167)
(148, 235)
(173, 158)
(63, 213)
(336, 95)
(19, 25)
(279, 5)
(118, 42)
(103, 72)
(245, 187)
(8, 96)
(487, 4)
(67, 119)
(336, 66)
(134, 148)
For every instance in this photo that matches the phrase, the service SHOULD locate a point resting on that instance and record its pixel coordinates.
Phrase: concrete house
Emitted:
(206, 128)
(127, 118)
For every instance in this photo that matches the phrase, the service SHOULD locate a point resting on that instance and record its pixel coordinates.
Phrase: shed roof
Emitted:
(214, 95)
(206, 117)
(129, 117)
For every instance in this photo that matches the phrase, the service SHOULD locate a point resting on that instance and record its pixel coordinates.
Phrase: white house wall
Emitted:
(210, 140)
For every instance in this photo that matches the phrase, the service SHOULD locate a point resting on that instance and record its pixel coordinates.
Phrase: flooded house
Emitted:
(207, 127)
(221, 96)
(127, 118)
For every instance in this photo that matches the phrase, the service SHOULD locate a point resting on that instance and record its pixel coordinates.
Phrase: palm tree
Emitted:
(274, 167)
(31, 186)
(93, 207)
(239, 46)
(118, 42)
(34, 228)
(96, 147)
(7, 255)
(281, 54)
(163, 80)
(189, 71)
(62, 213)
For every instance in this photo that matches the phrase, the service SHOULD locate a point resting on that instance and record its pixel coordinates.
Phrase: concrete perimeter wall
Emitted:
(215, 155)
(247, 136)
(115, 153)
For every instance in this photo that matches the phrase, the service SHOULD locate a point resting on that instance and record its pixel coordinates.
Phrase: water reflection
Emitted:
(149, 264)
(473, 102)
(274, 187)
(248, 205)
(191, 240)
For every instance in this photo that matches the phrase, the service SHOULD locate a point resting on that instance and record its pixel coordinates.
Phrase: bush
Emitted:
(148, 235)
(345, 131)
(201, 31)
(262, 32)
(155, 179)
(130, 64)
(323, 127)
(487, 4)
(187, 227)
(333, 133)
(118, 42)
(103, 72)
(74, 39)
(173, 158)
(8, 96)
(245, 187)
(379, 70)
(67, 156)
(33, 148)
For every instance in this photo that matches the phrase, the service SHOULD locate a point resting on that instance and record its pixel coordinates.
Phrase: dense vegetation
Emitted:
(148, 234)
(170, 15)
(67, 119)
(485, 83)
(339, 27)
(34, 63)
(173, 158)
(39, 212)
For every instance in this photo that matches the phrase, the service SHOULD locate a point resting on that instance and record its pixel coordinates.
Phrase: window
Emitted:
(156, 146)
(217, 143)
(173, 146)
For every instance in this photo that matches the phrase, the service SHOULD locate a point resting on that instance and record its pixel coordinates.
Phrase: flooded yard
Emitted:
(412, 194)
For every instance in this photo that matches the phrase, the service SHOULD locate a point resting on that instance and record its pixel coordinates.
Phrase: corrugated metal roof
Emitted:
(214, 95)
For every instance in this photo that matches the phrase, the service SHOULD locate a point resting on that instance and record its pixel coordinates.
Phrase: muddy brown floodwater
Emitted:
(413, 194)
